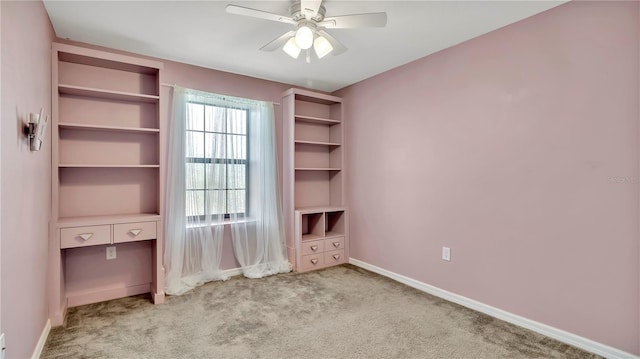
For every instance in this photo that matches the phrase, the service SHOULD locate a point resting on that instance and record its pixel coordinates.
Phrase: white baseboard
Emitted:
(42, 341)
(232, 272)
(555, 333)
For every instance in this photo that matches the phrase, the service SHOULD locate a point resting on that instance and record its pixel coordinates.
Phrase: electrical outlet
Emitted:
(111, 252)
(446, 254)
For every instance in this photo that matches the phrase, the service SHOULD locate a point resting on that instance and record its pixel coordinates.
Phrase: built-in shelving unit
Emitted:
(106, 159)
(316, 215)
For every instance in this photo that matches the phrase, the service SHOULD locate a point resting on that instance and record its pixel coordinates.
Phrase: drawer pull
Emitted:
(314, 261)
(85, 236)
(135, 232)
(314, 248)
(336, 256)
(336, 244)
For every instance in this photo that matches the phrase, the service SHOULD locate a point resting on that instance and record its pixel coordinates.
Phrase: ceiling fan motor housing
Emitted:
(297, 14)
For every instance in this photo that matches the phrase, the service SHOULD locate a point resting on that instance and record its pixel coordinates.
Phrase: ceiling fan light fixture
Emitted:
(291, 48)
(304, 37)
(322, 46)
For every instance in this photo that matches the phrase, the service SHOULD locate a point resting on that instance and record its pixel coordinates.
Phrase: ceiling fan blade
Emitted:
(376, 19)
(278, 42)
(245, 11)
(310, 8)
(338, 47)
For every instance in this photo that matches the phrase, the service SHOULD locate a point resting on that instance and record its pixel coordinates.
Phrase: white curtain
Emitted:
(222, 171)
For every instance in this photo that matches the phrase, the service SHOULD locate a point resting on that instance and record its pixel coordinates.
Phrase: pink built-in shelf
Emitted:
(79, 126)
(317, 143)
(317, 169)
(319, 120)
(108, 219)
(64, 165)
(106, 94)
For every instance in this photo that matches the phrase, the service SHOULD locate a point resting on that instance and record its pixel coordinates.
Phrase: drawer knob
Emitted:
(336, 256)
(85, 236)
(314, 261)
(135, 232)
(336, 244)
(314, 248)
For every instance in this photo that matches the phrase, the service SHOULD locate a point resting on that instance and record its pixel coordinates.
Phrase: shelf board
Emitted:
(106, 94)
(109, 219)
(68, 165)
(320, 209)
(311, 237)
(333, 234)
(314, 97)
(335, 144)
(79, 126)
(320, 120)
(318, 169)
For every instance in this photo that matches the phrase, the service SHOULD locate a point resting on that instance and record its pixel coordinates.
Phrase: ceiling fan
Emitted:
(308, 17)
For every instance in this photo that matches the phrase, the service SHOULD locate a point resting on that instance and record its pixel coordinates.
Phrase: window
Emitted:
(216, 172)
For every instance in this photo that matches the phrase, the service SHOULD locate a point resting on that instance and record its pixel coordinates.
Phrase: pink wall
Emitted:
(191, 77)
(519, 150)
(26, 176)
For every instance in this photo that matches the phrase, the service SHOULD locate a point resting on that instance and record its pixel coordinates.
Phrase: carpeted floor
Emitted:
(339, 312)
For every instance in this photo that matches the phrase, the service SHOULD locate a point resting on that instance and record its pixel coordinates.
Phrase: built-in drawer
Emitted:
(312, 261)
(85, 236)
(334, 257)
(312, 247)
(131, 232)
(332, 244)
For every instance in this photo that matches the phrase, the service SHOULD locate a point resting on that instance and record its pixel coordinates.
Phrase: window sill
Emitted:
(223, 223)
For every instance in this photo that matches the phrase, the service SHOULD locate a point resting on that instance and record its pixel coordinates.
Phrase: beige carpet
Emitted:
(339, 312)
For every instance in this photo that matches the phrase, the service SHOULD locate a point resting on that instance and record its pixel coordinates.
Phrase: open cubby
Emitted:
(93, 147)
(92, 111)
(317, 156)
(107, 191)
(106, 78)
(335, 224)
(312, 226)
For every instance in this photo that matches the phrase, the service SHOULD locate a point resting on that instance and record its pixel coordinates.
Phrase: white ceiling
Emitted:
(202, 33)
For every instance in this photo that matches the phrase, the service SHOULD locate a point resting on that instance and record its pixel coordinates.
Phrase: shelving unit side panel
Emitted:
(107, 78)
(104, 112)
(336, 133)
(312, 188)
(335, 111)
(288, 172)
(336, 188)
(108, 148)
(335, 157)
(305, 108)
(107, 191)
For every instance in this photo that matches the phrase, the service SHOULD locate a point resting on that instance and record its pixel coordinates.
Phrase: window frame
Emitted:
(225, 161)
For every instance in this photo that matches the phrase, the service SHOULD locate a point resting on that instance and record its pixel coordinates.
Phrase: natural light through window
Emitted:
(216, 180)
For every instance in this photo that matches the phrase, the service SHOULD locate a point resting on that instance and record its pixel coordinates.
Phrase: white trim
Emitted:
(555, 333)
(232, 272)
(42, 341)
